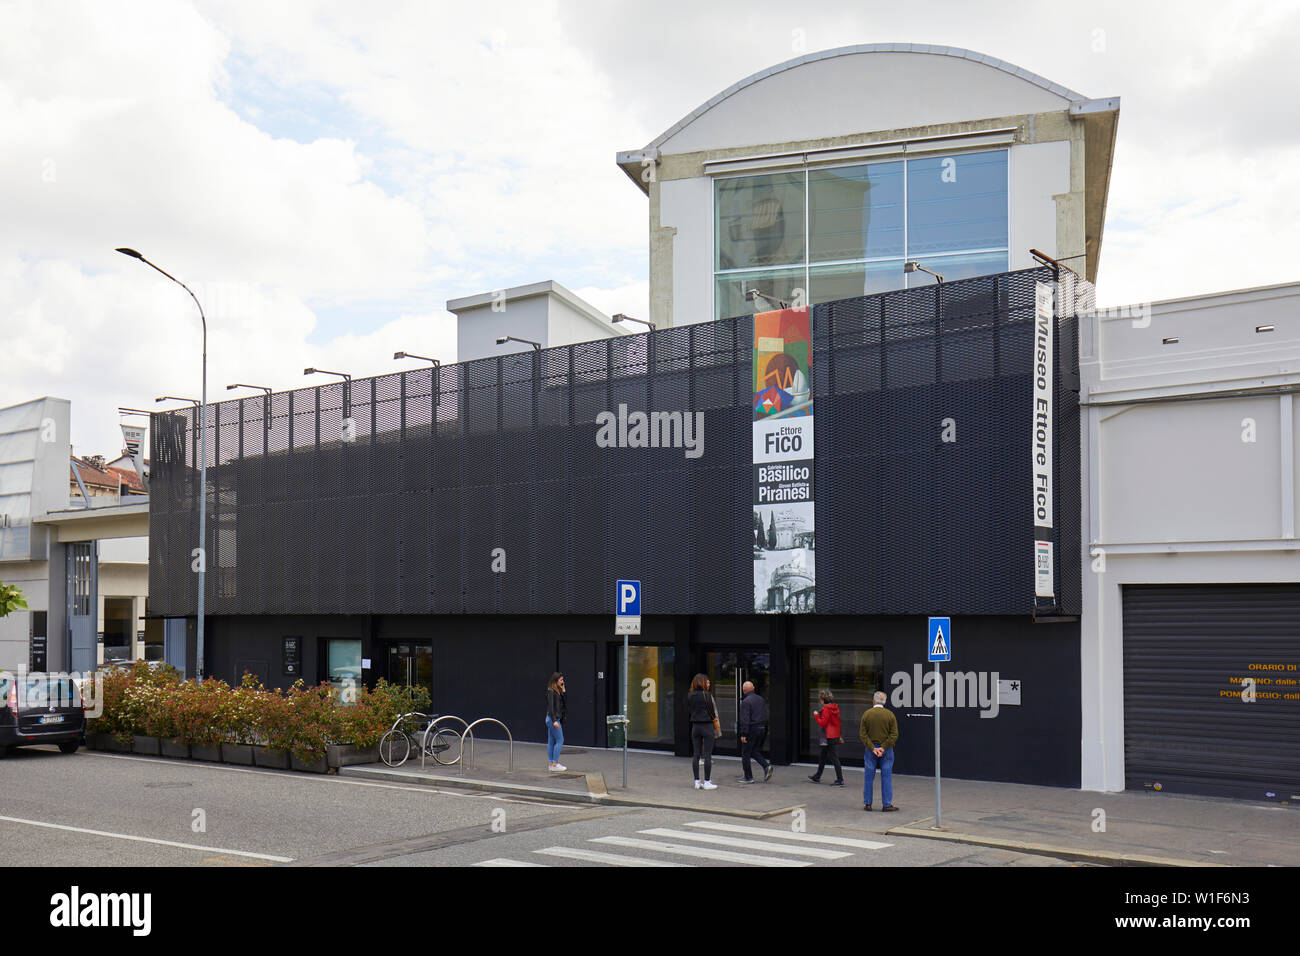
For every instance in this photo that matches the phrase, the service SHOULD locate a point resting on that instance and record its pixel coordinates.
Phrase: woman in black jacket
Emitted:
(703, 713)
(556, 708)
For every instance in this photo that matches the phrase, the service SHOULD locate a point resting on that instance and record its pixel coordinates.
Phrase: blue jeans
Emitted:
(886, 764)
(554, 741)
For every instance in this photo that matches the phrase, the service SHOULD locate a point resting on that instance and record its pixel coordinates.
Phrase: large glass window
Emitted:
(856, 212)
(760, 221)
(817, 235)
(652, 696)
(957, 203)
(344, 660)
(852, 676)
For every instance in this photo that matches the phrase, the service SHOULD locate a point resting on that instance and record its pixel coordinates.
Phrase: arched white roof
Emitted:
(863, 88)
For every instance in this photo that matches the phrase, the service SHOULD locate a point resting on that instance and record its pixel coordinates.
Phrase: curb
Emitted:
(597, 793)
(1044, 849)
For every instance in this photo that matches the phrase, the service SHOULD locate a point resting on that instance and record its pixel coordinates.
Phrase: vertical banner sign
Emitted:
(1044, 390)
(783, 538)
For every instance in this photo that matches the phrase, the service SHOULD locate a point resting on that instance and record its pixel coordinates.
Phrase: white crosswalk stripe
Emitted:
(613, 859)
(719, 843)
(744, 844)
(502, 861)
(708, 853)
(791, 835)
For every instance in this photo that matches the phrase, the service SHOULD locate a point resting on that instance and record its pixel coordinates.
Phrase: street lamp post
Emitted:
(266, 404)
(203, 456)
(618, 317)
(753, 295)
(502, 340)
(347, 387)
(436, 387)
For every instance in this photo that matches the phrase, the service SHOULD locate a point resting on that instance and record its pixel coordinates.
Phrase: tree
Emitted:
(11, 599)
(771, 533)
(760, 538)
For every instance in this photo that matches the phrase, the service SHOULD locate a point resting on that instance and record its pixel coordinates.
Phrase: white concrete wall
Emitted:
(124, 551)
(1039, 173)
(862, 91)
(34, 468)
(543, 312)
(687, 206)
(477, 329)
(15, 630)
(1177, 492)
(567, 324)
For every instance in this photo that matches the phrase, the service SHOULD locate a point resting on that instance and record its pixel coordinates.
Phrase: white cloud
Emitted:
(302, 163)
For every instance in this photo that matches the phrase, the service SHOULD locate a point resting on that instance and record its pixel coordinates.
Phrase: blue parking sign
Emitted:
(627, 598)
(939, 644)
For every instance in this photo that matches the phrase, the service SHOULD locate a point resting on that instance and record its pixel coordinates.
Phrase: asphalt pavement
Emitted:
(1127, 828)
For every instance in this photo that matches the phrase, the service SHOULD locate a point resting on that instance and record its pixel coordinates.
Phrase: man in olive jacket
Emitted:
(879, 733)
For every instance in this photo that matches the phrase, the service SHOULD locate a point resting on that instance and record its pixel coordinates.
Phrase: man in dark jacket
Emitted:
(753, 731)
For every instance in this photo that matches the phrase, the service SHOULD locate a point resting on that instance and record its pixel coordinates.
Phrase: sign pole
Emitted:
(624, 711)
(939, 648)
(627, 620)
(938, 695)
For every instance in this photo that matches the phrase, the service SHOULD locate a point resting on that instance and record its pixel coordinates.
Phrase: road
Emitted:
(97, 809)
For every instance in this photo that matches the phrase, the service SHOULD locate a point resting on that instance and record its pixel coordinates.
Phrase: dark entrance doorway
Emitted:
(576, 660)
(409, 664)
(729, 669)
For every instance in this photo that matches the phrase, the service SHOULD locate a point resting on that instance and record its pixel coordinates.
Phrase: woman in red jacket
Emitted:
(829, 719)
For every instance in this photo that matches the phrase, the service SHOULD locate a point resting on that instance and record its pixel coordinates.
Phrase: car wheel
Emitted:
(70, 747)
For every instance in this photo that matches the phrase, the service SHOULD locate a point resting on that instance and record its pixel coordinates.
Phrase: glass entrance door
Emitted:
(729, 669)
(411, 665)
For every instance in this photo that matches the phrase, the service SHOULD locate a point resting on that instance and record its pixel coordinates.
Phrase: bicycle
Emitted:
(395, 745)
(440, 744)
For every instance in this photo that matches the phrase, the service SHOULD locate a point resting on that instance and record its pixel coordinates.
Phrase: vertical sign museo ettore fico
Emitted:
(783, 538)
(1044, 355)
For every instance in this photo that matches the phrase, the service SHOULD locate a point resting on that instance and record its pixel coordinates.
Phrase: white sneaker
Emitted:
(698, 785)
(707, 785)
(557, 767)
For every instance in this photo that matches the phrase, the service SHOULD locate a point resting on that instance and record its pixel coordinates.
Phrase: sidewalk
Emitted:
(1140, 828)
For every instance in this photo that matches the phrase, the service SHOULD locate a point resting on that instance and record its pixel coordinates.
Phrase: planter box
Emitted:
(145, 745)
(345, 755)
(262, 757)
(107, 742)
(170, 747)
(316, 766)
(200, 752)
(241, 754)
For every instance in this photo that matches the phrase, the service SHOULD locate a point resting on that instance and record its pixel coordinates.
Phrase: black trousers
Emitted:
(752, 749)
(829, 750)
(702, 742)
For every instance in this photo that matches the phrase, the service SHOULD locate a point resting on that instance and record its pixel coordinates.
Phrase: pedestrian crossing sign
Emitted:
(940, 641)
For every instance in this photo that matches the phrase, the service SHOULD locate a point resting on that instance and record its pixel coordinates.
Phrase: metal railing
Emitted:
(424, 740)
(469, 732)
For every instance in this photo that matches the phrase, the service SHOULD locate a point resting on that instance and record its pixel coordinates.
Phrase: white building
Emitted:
(84, 571)
(1190, 448)
(816, 179)
(543, 312)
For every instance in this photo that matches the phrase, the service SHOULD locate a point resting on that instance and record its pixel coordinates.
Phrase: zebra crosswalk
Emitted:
(700, 843)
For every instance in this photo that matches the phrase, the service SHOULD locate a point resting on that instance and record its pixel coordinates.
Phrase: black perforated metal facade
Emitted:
(447, 465)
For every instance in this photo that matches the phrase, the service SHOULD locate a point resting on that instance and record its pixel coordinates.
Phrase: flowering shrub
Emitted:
(302, 720)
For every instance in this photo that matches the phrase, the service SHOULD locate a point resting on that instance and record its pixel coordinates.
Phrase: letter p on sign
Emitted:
(629, 597)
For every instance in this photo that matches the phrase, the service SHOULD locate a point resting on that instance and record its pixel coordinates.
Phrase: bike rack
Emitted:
(424, 739)
(469, 732)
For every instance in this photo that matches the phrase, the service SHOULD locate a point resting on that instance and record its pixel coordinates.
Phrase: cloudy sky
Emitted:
(326, 175)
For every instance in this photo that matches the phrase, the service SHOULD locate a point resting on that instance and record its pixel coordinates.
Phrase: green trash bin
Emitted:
(616, 730)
